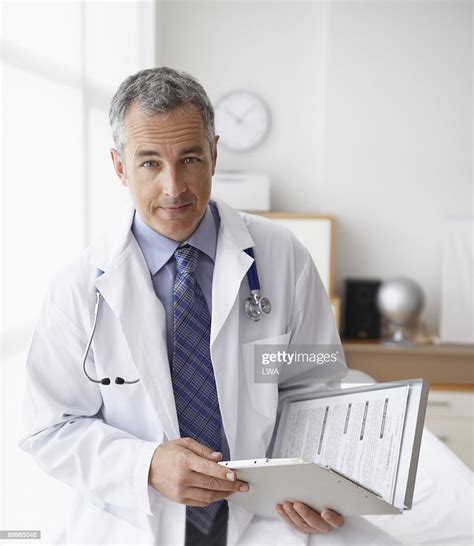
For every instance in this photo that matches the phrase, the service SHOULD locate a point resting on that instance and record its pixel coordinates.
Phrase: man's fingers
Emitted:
(306, 520)
(201, 449)
(300, 521)
(333, 518)
(204, 466)
(312, 518)
(282, 513)
(216, 484)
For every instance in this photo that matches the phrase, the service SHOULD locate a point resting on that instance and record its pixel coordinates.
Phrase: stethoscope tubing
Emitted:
(91, 337)
(252, 273)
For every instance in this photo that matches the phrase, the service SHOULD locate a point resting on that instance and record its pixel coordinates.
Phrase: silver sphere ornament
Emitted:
(400, 301)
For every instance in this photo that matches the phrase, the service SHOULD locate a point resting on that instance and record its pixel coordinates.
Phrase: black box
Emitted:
(361, 317)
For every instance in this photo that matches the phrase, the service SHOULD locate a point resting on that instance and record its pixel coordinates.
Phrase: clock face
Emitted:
(242, 121)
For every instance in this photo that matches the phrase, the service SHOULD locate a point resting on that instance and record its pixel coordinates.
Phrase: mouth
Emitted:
(176, 210)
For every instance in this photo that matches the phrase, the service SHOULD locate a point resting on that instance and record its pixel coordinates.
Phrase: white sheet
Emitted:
(443, 504)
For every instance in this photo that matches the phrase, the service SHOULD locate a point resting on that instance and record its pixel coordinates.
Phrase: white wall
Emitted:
(372, 116)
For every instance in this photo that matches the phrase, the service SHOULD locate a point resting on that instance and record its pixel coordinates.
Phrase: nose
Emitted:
(172, 183)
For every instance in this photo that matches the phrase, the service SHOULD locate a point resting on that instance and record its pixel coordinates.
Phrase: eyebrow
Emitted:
(184, 151)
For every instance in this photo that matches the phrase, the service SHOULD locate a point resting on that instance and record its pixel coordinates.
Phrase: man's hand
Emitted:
(302, 518)
(187, 472)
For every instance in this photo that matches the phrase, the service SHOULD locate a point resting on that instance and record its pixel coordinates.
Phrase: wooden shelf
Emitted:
(449, 366)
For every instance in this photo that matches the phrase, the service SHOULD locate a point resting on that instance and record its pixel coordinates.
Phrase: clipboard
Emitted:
(273, 481)
(279, 479)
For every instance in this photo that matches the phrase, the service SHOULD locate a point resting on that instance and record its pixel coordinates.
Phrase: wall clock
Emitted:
(242, 120)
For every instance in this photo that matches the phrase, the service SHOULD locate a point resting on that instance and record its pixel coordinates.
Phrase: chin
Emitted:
(177, 231)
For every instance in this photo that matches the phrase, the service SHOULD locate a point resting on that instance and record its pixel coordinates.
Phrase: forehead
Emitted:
(178, 127)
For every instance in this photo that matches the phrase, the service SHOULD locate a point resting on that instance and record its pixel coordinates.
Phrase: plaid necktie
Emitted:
(192, 374)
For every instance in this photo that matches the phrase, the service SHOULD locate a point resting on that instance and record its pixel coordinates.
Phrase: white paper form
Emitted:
(357, 434)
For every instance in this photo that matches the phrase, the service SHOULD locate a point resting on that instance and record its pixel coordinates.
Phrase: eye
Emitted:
(149, 163)
(190, 160)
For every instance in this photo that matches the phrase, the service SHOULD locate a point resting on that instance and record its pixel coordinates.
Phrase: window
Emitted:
(61, 63)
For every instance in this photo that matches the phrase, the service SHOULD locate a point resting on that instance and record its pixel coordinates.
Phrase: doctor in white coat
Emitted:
(119, 446)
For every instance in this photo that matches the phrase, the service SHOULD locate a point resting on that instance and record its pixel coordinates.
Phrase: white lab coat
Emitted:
(100, 439)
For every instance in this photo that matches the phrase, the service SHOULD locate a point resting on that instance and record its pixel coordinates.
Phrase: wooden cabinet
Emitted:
(450, 415)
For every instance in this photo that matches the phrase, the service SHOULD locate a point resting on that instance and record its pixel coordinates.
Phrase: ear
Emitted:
(214, 155)
(119, 166)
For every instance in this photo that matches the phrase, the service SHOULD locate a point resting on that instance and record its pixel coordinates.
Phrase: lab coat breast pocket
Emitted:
(264, 396)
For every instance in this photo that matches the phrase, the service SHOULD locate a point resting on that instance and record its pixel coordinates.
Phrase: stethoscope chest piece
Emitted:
(256, 305)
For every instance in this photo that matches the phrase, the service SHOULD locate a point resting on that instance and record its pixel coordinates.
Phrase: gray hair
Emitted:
(159, 91)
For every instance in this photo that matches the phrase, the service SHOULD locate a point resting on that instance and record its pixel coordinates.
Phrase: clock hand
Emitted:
(250, 108)
(232, 115)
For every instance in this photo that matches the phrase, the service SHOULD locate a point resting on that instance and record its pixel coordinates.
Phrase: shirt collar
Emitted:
(158, 249)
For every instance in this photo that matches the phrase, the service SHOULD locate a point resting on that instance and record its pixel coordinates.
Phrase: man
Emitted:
(142, 453)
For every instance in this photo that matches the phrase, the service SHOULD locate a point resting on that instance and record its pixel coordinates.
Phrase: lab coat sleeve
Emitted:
(64, 430)
(312, 325)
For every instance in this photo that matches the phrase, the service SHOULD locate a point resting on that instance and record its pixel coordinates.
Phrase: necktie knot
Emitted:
(186, 257)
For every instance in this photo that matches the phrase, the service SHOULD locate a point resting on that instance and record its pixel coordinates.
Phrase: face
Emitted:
(167, 165)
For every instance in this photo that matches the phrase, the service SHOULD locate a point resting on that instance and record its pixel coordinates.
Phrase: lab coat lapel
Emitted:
(231, 264)
(127, 288)
(230, 267)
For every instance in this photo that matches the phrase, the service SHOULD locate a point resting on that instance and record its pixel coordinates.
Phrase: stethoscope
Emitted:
(255, 307)
(256, 304)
